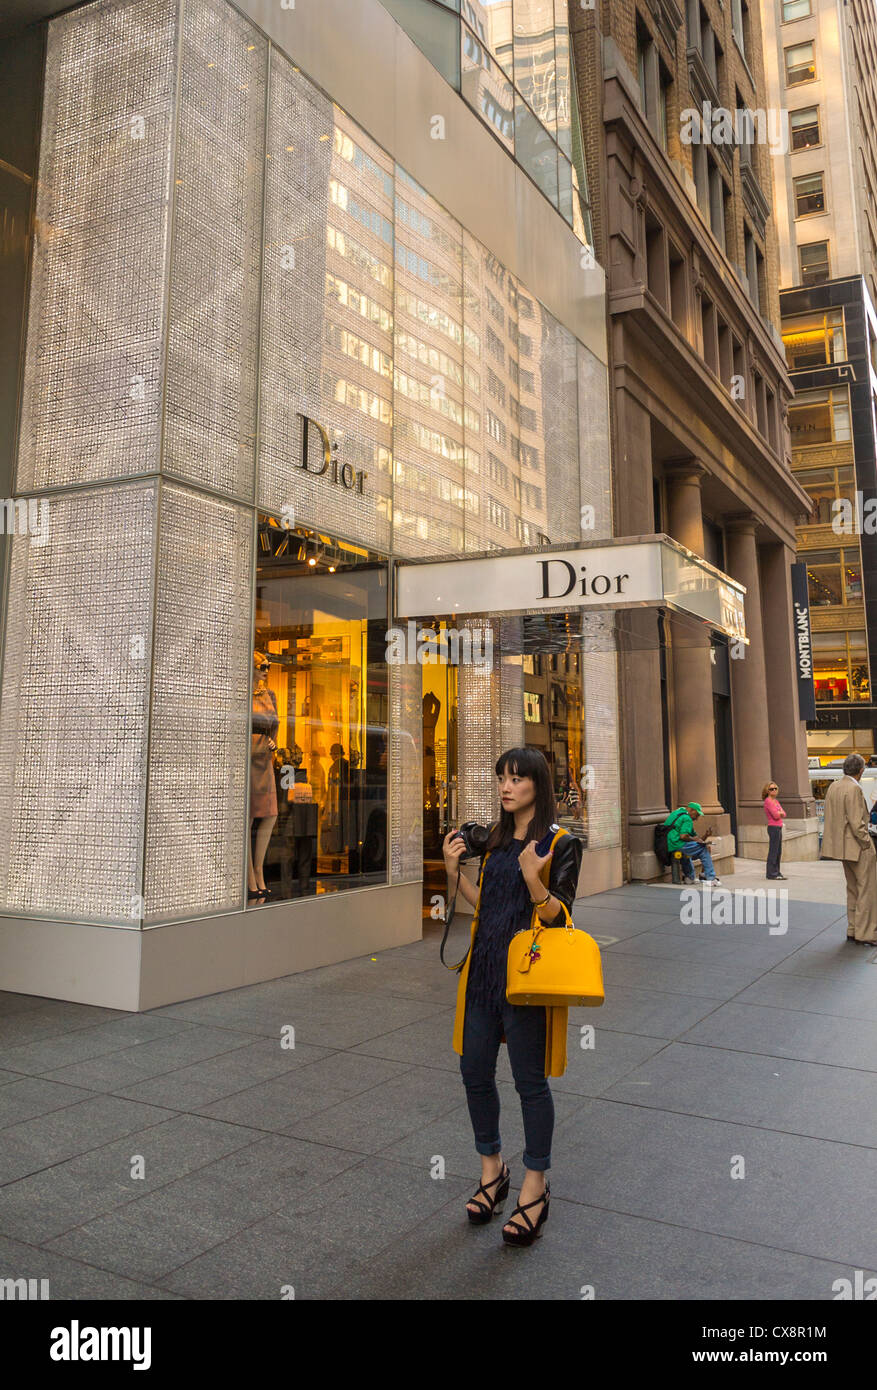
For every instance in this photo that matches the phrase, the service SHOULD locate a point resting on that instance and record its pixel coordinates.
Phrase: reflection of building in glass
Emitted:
(516, 71)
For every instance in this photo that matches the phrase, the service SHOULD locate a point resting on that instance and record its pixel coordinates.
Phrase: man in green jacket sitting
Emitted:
(681, 836)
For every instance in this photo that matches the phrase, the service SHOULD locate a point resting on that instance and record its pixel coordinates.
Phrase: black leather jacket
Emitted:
(563, 875)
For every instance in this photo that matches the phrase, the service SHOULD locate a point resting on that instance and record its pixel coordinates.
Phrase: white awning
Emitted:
(642, 572)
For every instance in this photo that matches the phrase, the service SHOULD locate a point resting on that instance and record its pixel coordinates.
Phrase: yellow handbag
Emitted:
(554, 965)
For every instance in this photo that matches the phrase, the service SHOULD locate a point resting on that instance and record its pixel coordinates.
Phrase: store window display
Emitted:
(319, 716)
(263, 792)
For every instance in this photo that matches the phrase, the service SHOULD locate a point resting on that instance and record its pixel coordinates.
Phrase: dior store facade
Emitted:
(280, 342)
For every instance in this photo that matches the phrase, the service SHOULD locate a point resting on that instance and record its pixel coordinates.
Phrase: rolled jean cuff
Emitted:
(493, 1148)
(536, 1165)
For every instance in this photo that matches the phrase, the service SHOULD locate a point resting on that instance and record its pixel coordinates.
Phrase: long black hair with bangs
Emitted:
(525, 762)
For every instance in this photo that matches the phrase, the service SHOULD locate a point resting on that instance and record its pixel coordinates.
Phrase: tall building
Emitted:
(680, 194)
(821, 61)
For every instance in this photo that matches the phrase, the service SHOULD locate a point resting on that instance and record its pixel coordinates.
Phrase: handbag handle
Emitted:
(536, 930)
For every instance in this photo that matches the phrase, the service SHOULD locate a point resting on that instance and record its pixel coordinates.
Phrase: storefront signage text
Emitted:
(344, 474)
(594, 584)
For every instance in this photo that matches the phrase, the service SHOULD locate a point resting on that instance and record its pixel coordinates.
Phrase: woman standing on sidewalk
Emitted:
(514, 879)
(775, 816)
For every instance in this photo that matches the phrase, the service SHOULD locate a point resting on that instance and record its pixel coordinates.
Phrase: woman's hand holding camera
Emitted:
(453, 849)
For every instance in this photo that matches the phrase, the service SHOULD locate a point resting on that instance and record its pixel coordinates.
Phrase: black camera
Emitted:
(474, 837)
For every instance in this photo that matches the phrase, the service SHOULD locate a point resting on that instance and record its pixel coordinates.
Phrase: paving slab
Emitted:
(780, 1094)
(810, 1196)
(809, 1037)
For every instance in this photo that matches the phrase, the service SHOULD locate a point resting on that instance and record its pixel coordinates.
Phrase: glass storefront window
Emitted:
(554, 723)
(840, 667)
(860, 683)
(319, 750)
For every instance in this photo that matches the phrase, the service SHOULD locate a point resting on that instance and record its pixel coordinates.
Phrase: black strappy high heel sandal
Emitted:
(526, 1237)
(494, 1204)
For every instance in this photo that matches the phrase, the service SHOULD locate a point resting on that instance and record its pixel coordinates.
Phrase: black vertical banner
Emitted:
(803, 643)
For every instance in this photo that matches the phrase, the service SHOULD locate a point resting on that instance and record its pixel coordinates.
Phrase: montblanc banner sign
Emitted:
(803, 642)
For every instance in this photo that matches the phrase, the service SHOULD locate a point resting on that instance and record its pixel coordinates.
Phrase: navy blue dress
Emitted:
(506, 907)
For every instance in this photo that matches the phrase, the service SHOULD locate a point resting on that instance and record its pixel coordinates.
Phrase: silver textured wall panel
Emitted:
(74, 709)
(92, 395)
(199, 732)
(213, 320)
(327, 311)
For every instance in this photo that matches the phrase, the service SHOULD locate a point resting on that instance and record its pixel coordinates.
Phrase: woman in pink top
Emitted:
(775, 817)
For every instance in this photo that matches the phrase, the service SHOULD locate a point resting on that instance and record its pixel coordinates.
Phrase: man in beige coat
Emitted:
(845, 836)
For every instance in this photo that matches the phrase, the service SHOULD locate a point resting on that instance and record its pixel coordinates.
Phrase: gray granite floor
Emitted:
(716, 1137)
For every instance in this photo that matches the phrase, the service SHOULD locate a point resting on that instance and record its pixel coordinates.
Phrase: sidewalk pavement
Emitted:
(720, 1050)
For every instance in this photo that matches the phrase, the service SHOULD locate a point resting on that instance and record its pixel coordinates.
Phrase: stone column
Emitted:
(639, 659)
(787, 732)
(693, 721)
(749, 696)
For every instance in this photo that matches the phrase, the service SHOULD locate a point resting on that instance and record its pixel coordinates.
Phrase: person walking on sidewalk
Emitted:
(510, 887)
(845, 836)
(775, 817)
(681, 836)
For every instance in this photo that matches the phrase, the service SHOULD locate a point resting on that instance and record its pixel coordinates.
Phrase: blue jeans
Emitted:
(700, 852)
(524, 1026)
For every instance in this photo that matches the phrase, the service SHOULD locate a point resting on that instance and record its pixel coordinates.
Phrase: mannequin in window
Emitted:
(263, 792)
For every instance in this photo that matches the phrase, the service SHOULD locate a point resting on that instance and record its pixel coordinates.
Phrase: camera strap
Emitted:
(449, 917)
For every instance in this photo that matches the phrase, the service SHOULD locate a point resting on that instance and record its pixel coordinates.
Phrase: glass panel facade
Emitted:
(514, 67)
(486, 88)
(535, 69)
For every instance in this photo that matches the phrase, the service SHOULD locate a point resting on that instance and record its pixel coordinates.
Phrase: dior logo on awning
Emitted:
(344, 474)
(552, 582)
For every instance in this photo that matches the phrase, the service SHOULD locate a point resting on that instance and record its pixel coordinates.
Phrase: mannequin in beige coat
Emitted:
(845, 836)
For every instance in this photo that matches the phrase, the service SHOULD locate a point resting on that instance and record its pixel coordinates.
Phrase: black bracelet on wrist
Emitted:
(543, 900)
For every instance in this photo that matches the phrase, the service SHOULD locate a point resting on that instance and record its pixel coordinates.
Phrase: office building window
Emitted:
(834, 578)
(820, 417)
(815, 340)
(796, 9)
(809, 194)
(800, 63)
(813, 259)
(826, 486)
(804, 126)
